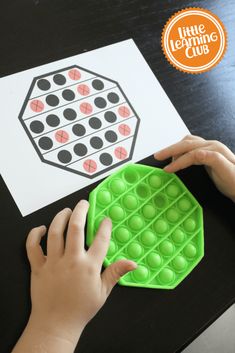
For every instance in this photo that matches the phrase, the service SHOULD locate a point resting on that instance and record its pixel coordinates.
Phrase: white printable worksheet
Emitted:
(71, 122)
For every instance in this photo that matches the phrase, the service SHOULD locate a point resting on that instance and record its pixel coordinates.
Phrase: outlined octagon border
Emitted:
(64, 167)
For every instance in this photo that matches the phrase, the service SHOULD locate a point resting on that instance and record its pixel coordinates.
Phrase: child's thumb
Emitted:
(112, 274)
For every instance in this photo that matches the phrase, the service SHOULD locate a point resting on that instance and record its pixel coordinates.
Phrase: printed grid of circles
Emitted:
(81, 139)
(63, 118)
(100, 99)
(80, 128)
(152, 206)
(62, 126)
(79, 109)
(103, 92)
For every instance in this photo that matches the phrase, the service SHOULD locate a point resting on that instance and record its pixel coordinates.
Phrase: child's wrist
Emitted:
(52, 329)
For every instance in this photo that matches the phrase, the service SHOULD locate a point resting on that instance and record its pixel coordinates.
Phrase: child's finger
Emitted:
(212, 159)
(33, 247)
(224, 150)
(193, 137)
(176, 157)
(55, 239)
(114, 272)
(215, 161)
(100, 245)
(188, 137)
(180, 148)
(75, 236)
(186, 160)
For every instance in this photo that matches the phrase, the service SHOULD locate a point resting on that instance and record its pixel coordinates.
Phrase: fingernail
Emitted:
(67, 209)
(84, 201)
(133, 264)
(109, 221)
(166, 168)
(44, 228)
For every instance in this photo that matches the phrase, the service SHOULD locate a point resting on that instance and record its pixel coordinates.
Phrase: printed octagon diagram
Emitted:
(79, 121)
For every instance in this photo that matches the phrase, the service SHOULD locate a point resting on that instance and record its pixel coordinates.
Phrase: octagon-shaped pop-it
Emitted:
(156, 222)
(79, 121)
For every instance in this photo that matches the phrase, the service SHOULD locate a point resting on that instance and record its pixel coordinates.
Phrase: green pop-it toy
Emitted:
(156, 222)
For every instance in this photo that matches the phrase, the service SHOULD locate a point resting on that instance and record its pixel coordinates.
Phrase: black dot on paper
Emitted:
(70, 114)
(80, 149)
(106, 159)
(79, 130)
(43, 84)
(113, 97)
(97, 84)
(45, 143)
(52, 120)
(110, 117)
(96, 142)
(100, 102)
(52, 100)
(111, 136)
(59, 79)
(64, 156)
(68, 95)
(36, 126)
(95, 123)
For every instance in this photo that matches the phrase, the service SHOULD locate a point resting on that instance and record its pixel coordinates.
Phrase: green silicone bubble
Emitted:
(161, 226)
(172, 190)
(136, 222)
(155, 181)
(104, 197)
(184, 204)
(134, 249)
(112, 248)
(149, 211)
(131, 176)
(160, 200)
(116, 213)
(120, 257)
(156, 222)
(142, 191)
(179, 263)
(172, 215)
(141, 273)
(190, 225)
(166, 276)
(122, 234)
(166, 248)
(130, 201)
(154, 259)
(178, 236)
(117, 186)
(190, 251)
(148, 237)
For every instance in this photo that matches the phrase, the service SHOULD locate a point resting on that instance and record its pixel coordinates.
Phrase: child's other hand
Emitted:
(217, 158)
(67, 287)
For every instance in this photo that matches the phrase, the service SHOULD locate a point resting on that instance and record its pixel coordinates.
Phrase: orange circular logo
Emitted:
(194, 40)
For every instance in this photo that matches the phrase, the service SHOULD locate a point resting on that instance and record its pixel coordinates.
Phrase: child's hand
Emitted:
(67, 287)
(217, 158)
